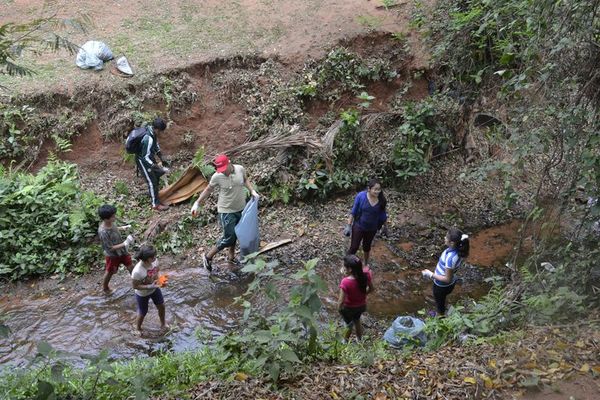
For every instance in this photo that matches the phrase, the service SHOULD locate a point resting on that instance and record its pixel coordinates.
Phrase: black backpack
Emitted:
(133, 143)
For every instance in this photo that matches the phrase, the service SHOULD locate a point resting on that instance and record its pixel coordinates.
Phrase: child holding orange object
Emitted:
(146, 284)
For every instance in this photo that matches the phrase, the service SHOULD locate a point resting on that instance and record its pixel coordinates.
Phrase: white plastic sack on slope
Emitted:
(247, 229)
(123, 66)
(93, 54)
(403, 330)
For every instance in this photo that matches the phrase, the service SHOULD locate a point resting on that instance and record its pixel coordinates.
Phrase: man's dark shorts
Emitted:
(142, 301)
(228, 221)
(352, 314)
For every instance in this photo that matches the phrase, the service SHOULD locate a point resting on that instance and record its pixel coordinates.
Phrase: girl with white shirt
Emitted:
(144, 281)
(443, 277)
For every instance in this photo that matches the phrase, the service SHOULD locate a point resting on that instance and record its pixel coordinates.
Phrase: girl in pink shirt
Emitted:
(354, 288)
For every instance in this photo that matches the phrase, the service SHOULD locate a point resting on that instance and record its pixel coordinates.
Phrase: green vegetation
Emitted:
(46, 223)
(199, 162)
(282, 103)
(276, 342)
(537, 61)
(23, 130)
(427, 130)
(180, 236)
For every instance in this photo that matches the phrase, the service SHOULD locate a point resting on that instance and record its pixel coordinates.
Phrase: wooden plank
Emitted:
(274, 245)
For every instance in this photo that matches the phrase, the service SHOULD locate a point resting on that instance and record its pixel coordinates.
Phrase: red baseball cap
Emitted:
(221, 162)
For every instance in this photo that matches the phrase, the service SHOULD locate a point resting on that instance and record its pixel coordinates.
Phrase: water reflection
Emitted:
(84, 322)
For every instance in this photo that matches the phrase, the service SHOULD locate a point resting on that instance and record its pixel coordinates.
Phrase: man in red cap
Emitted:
(230, 179)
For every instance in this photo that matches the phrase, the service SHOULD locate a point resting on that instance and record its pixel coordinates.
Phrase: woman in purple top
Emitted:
(366, 218)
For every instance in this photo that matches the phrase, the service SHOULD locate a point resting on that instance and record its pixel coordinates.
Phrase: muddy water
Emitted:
(400, 288)
(76, 318)
(86, 321)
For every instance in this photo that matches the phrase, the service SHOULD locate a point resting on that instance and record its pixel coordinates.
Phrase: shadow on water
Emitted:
(80, 320)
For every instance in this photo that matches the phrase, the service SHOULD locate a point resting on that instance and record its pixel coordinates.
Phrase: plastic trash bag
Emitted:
(123, 66)
(405, 329)
(247, 229)
(93, 54)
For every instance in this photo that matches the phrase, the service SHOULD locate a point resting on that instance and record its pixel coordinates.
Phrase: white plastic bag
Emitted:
(403, 330)
(93, 54)
(123, 66)
(247, 229)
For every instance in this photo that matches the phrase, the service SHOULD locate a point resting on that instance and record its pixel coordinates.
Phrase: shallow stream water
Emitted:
(81, 320)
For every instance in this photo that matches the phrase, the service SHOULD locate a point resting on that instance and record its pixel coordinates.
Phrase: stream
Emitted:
(79, 319)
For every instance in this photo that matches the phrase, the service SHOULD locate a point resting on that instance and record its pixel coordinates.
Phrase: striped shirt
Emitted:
(448, 260)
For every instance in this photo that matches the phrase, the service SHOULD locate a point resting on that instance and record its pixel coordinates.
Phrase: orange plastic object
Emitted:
(163, 280)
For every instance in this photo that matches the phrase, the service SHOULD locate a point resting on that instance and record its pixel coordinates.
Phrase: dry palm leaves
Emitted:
(301, 139)
(304, 139)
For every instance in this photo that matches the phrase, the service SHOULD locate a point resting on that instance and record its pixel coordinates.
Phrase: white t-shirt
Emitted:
(146, 276)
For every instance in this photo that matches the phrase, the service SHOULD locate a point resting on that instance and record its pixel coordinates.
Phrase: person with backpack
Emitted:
(444, 278)
(145, 146)
(367, 216)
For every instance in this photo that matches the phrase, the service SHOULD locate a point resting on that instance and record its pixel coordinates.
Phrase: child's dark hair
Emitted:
(355, 264)
(106, 211)
(455, 235)
(159, 124)
(381, 197)
(145, 252)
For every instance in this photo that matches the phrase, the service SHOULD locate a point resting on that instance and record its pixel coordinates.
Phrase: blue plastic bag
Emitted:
(247, 229)
(403, 330)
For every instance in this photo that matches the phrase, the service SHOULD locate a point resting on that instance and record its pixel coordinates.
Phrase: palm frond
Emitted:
(13, 69)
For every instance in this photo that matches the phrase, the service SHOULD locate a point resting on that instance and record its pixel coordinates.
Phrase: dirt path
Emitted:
(160, 36)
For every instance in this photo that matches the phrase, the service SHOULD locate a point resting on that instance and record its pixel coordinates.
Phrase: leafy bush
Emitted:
(426, 131)
(13, 140)
(277, 342)
(51, 374)
(347, 69)
(46, 223)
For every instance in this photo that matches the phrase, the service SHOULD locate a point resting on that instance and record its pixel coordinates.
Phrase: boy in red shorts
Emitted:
(115, 249)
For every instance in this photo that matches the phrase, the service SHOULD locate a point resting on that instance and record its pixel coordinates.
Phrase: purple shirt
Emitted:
(368, 218)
